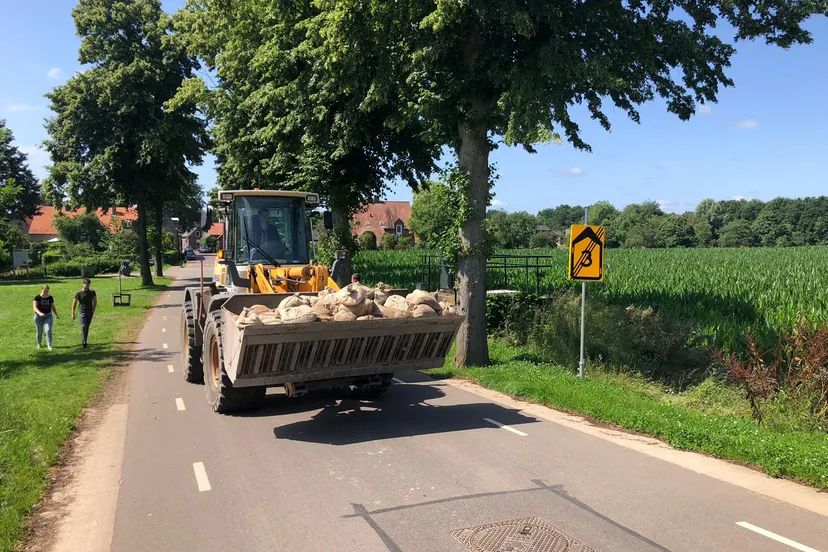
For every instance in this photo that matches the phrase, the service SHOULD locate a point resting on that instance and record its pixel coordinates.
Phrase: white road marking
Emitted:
(777, 538)
(164, 345)
(201, 477)
(179, 403)
(397, 380)
(170, 368)
(504, 426)
(165, 318)
(163, 330)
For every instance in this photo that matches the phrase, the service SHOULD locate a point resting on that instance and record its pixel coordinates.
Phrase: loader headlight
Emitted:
(312, 199)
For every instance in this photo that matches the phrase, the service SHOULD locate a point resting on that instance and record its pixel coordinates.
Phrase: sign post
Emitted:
(586, 264)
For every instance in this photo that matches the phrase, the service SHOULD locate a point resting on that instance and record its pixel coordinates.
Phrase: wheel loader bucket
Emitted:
(291, 353)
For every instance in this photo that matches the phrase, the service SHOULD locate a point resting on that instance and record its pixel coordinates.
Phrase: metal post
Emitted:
(583, 308)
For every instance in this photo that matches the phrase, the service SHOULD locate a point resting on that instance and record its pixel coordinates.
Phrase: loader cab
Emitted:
(267, 225)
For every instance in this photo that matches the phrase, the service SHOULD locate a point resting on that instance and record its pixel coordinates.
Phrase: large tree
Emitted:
(112, 139)
(474, 70)
(19, 189)
(280, 121)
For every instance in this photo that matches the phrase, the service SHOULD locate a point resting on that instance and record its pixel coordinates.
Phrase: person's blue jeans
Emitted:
(44, 323)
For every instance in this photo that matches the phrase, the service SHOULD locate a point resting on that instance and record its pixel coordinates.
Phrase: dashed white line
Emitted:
(179, 403)
(504, 426)
(164, 345)
(165, 318)
(397, 380)
(201, 477)
(163, 330)
(170, 368)
(774, 536)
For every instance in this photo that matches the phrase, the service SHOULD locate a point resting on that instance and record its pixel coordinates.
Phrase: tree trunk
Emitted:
(473, 158)
(143, 246)
(341, 223)
(159, 246)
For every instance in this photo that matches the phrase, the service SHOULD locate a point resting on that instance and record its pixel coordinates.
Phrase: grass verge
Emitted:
(707, 418)
(43, 392)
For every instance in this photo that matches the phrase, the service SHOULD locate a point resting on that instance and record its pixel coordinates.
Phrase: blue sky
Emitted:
(766, 137)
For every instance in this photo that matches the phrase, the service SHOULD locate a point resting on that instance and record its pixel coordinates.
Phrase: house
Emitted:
(384, 217)
(193, 237)
(41, 227)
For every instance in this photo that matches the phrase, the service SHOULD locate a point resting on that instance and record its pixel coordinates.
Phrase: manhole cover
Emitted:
(519, 535)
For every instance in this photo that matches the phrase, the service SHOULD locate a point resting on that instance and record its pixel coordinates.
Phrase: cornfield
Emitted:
(729, 292)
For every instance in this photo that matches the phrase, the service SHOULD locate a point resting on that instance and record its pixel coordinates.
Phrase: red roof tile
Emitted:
(43, 222)
(386, 212)
(217, 229)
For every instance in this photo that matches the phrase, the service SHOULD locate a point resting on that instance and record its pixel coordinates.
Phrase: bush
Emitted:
(632, 338)
(103, 264)
(172, 256)
(368, 241)
(404, 242)
(543, 240)
(512, 314)
(388, 241)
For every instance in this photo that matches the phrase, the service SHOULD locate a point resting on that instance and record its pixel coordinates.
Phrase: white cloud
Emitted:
(54, 73)
(704, 109)
(22, 107)
(574, 171)
(498, 203)
(746, 124)
(38, 158)
(664, 202)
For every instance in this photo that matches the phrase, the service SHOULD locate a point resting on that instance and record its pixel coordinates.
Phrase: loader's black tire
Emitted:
(370, 393)
(221, 395)
(190, 352)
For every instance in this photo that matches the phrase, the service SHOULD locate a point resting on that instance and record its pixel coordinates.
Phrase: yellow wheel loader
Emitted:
(265, 259)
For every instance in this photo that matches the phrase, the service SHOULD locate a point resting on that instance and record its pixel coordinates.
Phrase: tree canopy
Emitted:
(280, 121)
(112, 140)
(19, 189)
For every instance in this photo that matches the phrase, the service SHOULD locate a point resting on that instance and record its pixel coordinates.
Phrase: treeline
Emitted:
(780, 222)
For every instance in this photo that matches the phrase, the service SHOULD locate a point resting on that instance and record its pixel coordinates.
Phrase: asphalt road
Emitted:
(403, 474)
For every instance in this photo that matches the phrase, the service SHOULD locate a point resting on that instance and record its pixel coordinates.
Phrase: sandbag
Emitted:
(291, 302)
(258, 309)
(323, 308)
(326, 291)
(344, 315)
(368, 317)
(361, 309)
(312, 299)
(419, 297)
(396, 302)
(379, 297)
(423, 311)
(270, 317)
(391, 312)
(299, 315)
(351, 295)
(447, 310)
(248, 317)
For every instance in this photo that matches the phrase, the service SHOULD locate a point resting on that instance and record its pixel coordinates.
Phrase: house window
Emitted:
(368, 224)
(399, 229)
(382, 224)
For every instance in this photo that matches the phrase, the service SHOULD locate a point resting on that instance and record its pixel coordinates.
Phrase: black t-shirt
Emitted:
(85, 299)
(44, 304)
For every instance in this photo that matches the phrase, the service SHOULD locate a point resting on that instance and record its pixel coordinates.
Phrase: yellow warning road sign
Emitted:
(586, 253)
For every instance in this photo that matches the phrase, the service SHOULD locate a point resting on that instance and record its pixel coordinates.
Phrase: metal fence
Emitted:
(527, 273)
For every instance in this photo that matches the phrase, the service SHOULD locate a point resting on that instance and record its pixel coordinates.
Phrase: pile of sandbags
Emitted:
(353, 302)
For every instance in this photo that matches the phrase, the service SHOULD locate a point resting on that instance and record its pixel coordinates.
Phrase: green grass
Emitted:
(709, 418)
(42, 393)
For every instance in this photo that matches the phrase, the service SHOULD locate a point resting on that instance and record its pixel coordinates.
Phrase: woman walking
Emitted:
(44, 306)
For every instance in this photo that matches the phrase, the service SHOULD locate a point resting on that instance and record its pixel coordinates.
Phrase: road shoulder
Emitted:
(777, 490)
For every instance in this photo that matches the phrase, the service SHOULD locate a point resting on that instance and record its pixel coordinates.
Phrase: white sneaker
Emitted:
(50, 347)
(38, 345)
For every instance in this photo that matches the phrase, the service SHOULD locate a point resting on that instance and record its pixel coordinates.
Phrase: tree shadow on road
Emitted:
(72, 356)
(401, 412)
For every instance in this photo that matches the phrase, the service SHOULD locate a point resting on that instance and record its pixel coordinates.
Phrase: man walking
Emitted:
(88, 303)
